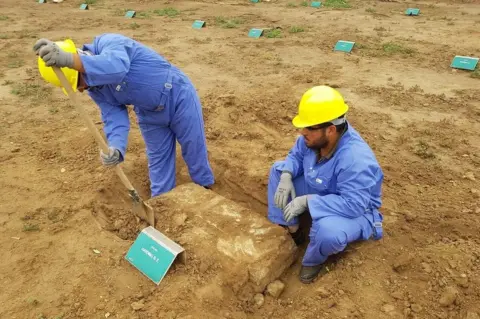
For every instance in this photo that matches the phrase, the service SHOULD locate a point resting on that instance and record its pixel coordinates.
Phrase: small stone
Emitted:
(341, 292)
(323, 292)
(472, 315)
(397, 295)
(107, 315)
(409, 217)
(100, 306)
(137, 305)
(388, 308)
(259, 300)
(63, 170)
(402, 262)
(416, 308)
(448, 296)
(469, 176)
(15, 150)
(462, 281)
(179, 220)
(477, 210)
(427, 268)
(331, 303)
(275, 288)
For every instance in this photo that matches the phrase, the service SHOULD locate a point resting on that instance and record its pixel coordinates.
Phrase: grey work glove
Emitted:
(112, 158)
(285, 188)
(52, 54)
(295, 208)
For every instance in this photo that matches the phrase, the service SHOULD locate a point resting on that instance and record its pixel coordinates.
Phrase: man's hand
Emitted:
(285, 188)
(295, 208)
(52, 55)
(112, 158)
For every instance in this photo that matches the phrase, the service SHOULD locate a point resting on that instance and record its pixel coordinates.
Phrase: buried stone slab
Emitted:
(250, 250)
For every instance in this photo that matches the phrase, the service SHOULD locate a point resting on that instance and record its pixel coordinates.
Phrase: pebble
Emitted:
(416, 308)
(401, 262)
(63, 170)
(470, 176)
(275, 288)
(462, 281)
(388, 308)
(331, 303)
(448, 296)
(323, 292)
(137, 305)
(259, 300)
(179, 220)
(410, 217)
(427, 268)
(472, 315)
(107, 315)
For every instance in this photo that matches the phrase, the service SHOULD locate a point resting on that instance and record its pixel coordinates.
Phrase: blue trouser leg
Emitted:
(188, 126)
(330, 235)
(160, 143)
(275, 214)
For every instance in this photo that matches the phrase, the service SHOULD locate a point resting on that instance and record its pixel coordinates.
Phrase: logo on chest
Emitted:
(318, 181)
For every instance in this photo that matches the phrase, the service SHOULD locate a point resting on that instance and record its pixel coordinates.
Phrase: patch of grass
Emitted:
(89, 2)
(31, 90)
(169, 12)
(393, 48)
(291, 5)
(15, 64)
(134, 26)
(423, 150)
(337, 4)
(228, 23)
(370, 10)
(4, 36)
(33, 301)
(30, 227)
(379, 29)
(143, 15)
(7, 82)
(304, 4)
(3, 18)
(275, 33)
(121, 12)
(295, 29)
(476, 73)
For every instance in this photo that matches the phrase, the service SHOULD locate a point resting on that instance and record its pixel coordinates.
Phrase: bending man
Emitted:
(332, 174)
(118, 71)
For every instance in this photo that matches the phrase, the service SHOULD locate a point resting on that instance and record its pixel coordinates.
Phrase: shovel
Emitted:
(140, 208)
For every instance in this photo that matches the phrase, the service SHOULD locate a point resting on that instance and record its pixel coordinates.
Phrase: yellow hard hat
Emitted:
(49, 75)
(320, 104)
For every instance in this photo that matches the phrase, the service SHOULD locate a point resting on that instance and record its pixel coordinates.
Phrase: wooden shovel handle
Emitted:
(91, 126)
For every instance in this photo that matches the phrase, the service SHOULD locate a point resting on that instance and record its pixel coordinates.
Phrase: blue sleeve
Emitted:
(116, 124)
(294, 161)
(111, 61)
(356, 178)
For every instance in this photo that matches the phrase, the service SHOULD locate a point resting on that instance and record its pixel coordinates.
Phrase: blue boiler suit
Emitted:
(123, 72)
(344, 194)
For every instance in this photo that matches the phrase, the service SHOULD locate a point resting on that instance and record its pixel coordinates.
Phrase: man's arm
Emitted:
(294, 161)
(116, 123)
(355, 181)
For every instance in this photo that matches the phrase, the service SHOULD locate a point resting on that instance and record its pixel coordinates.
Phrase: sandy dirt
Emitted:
(421, 118)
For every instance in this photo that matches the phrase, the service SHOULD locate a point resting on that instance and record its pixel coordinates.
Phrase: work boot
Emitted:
(309, 273)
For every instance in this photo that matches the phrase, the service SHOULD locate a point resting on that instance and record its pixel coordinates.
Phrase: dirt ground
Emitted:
(420, 117)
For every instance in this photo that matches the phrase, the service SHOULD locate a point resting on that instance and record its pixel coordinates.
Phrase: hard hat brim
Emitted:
(298, 122)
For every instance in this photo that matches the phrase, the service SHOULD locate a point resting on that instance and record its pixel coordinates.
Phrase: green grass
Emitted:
(143, 15)
(15, 64)
(394, 48)
(169, 12)
(337, 4)
(291, 5)
(304, 4)
(31, 90)
(3, 18)
(423, 150)
(275, 33)
(89, 2)
(30, 227)
(228, 23)
(476, 73)
(370, 10)
(4, 36)
(295, 29)
(134, 26)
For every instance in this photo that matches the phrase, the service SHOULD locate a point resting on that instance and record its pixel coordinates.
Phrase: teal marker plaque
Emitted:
(344, 46)
(153, 254)
(464, 63)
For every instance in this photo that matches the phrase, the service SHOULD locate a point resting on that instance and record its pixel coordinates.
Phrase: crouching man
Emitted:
(330, 173)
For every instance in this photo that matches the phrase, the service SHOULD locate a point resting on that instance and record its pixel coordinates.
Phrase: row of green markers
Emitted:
(459, 62)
